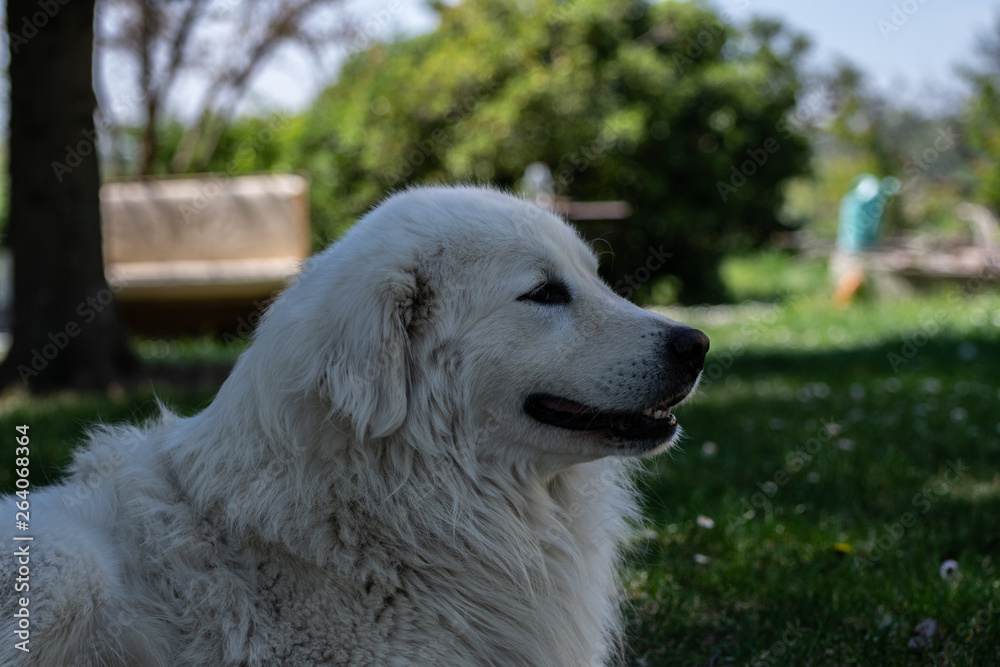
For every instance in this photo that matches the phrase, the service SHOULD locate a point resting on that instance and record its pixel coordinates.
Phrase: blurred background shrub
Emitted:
(718, 135)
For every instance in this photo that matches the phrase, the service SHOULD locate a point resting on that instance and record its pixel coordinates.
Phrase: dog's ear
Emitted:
(340, 335)
(366, 378)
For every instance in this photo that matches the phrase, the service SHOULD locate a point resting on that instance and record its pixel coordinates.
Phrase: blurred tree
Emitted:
(246, 144)
(66, 330)
(925, 150)
(223, 43)
(860, 117)
(982, 115)
(662, 105)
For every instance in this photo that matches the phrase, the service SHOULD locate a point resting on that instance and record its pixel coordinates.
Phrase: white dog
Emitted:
(421, 460)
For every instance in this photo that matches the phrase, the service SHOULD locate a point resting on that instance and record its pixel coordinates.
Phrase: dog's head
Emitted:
(464, 315)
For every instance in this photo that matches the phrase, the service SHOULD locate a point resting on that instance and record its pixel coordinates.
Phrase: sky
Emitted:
(909, 48)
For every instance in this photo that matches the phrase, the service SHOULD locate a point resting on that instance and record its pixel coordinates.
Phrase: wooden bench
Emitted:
(204, 238)
(197, 255)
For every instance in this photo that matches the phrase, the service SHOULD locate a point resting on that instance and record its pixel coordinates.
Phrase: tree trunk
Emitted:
(147, 33)
(67, 332)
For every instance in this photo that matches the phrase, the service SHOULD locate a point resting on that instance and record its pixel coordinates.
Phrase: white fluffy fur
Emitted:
(366, 488)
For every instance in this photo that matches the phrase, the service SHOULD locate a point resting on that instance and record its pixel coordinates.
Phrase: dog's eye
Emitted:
(552, 293)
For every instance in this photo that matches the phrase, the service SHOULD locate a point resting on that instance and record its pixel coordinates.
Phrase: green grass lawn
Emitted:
(839, 457)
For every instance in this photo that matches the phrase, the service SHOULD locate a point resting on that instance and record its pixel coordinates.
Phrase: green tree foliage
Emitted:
(861, 118)
(982, 118)
(662, 105)
(249, 144)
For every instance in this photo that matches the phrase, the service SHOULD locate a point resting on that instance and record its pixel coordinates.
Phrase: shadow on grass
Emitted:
(837, 485)
(810, 560)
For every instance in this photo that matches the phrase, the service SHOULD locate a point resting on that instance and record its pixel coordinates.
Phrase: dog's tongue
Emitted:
(562, 405)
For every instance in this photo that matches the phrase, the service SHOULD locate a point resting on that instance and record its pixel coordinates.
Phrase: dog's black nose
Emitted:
(690, 345)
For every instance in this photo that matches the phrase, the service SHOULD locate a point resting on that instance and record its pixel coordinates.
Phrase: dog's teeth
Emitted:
(657, 413)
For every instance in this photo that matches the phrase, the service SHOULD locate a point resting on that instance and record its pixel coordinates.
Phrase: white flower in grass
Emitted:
(923, 635)
(819, 389)
(702, 559)
(705, 521)
(950, 571)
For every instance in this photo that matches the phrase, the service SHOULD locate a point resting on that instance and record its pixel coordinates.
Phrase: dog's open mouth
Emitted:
(654, 423)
